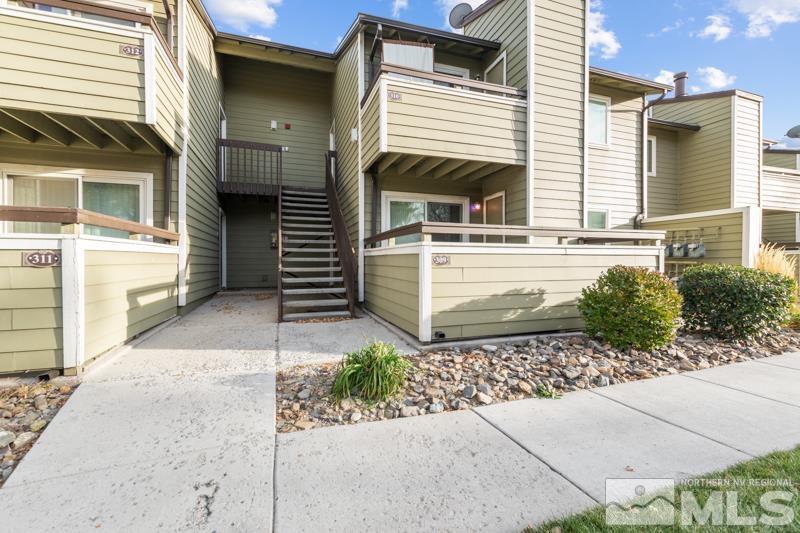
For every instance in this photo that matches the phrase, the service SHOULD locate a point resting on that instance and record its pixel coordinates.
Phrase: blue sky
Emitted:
(723, 44)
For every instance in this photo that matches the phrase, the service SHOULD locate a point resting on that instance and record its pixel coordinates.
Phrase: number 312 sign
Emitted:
(41, 259)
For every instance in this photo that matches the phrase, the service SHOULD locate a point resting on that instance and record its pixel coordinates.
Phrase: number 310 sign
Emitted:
(41, 259)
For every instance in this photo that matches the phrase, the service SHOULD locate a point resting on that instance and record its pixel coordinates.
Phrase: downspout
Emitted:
(168, 160)
(643, 215)
(375, 199)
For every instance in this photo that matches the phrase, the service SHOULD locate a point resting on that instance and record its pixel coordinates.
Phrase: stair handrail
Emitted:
(344, 245)
(280, 237)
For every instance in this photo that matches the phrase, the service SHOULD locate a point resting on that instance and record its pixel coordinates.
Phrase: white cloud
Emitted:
(788, 144)
(719, 28)
(764, 16)
(715, 78)
(243, 14)
(398, 6)
(696, 88)
(446, 6)
(261, 37)
(599, 37)
(666, 77)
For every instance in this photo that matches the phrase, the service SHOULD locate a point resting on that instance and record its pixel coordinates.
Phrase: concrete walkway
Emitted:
(177, 434)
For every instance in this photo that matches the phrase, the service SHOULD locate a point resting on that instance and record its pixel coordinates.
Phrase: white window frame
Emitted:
(651, 152)
(143, 179)
(606, 212)
(500, 58)
(607, 101)
(395, 196)
(501, 194)
(451, 70)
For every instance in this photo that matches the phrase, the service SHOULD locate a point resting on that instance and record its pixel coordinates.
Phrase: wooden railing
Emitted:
(119, 13)
(71, 219)
(347, 257)
(583, 236)
(249, 168)
(445, 80)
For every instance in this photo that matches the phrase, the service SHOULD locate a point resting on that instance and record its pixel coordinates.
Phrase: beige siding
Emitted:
(257, 93)
(507, 24)
(169, 103)
(663, 189)
(202, 215)
(615, 171)
(252, 262)
(790, 161)
(160, 14)
(487, 294)
(705, 156)
(127, 293)
(47, 66)
(77, 158)
(30, 315)
(779, 227)
(440, 122)
(558, 113)
(781, 189)
(721, 234)
(371, 126)
(391, 289)
(748, 151)
(346, 110)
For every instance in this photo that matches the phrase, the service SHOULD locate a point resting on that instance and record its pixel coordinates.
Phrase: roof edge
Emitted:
(709, 96)
(279, 46)
(481, 10)
(676, 125)
(632, 79)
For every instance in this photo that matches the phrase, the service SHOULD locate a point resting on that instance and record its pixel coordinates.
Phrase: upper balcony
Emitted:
(441, 125)
(781, 189)
(80, 73)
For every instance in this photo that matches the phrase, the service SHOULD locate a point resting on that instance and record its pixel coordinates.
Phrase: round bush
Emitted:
(733, 301)
(632, 307)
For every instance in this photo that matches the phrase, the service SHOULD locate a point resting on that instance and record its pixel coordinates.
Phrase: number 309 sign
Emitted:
(41, 259)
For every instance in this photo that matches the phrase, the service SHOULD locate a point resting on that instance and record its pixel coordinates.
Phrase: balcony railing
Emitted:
(249, 168)
(72, 219)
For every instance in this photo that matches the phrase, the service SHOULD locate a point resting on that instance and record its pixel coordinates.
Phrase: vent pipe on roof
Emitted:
(681, 78)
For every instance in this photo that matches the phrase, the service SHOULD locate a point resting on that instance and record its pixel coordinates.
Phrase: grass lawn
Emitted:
(777, 466)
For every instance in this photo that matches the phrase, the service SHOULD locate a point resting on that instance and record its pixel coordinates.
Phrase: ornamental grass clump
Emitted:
(376, 372)
(735, 302)
(773, 258)
(631, 307)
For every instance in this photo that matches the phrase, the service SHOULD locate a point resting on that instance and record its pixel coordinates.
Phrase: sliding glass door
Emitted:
(402, 209)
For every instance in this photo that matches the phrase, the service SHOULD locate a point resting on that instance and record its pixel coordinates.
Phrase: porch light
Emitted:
(475, 207)
(794, 133)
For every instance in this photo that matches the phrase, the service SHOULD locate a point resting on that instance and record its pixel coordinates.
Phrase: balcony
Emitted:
(781, 189)
(78, 73)
(441, 126)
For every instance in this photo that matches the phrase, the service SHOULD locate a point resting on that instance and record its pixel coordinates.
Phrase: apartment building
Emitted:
(458, 185)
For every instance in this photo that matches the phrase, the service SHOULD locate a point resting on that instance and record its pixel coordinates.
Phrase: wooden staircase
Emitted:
(312, 282)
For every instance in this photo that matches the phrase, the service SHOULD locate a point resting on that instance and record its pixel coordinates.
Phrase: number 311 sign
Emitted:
(41, 259)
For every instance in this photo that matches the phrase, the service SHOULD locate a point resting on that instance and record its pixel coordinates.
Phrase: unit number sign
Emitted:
(41, 259)
(441, 260)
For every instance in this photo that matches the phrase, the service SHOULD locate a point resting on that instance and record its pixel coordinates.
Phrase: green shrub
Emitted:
(632, 307)
(733, 301)
(376, 372)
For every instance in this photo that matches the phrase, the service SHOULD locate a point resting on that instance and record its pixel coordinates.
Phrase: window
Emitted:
(598, 219)
(401, 209)
(93, 16)
(125, 195)
(651, 156)
(599, 120)
(496, 73)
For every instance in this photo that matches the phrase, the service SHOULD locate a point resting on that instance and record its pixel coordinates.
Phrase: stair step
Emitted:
(304, 212)
(308, 226)
(315, 194)
(304, 200)
(308, 241)
(310, 259)
(316, 314)
(333, 302)
(304, 205)
(310, 250)
(322, 290)
(310, 219)
(312, 269)
(311, 233)
(335, 279)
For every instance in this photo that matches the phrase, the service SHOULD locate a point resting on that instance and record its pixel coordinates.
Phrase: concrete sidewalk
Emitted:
(502, 467)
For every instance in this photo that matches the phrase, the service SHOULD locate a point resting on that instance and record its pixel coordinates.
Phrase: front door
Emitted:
(494, 208)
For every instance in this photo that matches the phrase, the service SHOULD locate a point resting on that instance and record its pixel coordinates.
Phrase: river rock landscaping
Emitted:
(25, 411)
(545, 367)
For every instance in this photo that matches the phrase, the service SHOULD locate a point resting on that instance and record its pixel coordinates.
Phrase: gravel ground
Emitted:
(25, 410)
(545, 367)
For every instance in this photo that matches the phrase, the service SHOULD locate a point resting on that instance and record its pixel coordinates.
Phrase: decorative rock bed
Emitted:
(455, 379)
(24, 413)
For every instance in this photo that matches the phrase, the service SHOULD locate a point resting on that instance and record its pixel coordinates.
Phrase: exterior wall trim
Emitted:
(425, 292)
(751, 235)
(584, 133)
(733, 150)
(150, 99)
(183, 162)
(530, 170)
(384, 117)
(73, 306)
(696, 214)
(451, 91)
(361, 187)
